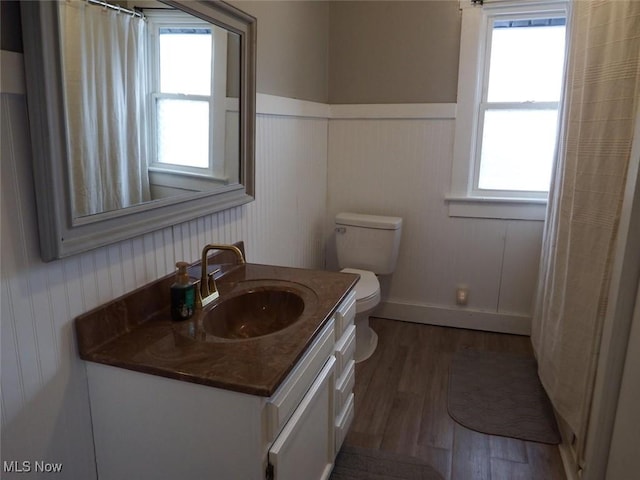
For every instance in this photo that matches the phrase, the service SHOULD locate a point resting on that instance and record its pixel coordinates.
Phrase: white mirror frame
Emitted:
(61, 235)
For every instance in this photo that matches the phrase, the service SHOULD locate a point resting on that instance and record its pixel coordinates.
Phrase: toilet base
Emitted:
(366, 339)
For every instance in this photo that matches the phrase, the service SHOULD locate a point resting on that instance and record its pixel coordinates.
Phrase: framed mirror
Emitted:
(140, 118)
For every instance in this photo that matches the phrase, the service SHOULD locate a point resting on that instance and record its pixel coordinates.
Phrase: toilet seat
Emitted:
(367, 289)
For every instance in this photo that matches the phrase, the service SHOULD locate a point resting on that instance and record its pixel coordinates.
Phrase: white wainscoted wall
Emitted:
(396, 160)
(45, 409)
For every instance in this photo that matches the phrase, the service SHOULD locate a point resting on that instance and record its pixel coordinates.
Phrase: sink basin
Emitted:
(254, 313)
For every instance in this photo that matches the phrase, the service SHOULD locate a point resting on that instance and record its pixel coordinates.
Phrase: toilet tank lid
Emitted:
(369, 221)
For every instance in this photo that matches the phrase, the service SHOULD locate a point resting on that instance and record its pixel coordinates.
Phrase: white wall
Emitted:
(402, 167)
(45, 410)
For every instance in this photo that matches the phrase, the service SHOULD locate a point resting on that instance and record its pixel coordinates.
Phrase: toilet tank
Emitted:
(368, 242)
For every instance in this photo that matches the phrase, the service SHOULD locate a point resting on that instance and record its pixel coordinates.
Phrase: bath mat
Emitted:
(354, 463)
(500, 394)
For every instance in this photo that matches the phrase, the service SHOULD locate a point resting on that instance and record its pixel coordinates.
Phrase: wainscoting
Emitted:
(402, 166)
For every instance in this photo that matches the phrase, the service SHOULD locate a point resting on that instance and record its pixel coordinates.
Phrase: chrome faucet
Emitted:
(208, 290)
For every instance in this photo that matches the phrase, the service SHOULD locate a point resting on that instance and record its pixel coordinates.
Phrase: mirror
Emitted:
(136, 130)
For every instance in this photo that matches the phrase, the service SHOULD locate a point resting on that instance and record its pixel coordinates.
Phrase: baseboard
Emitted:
(456, 317)
(566, 449)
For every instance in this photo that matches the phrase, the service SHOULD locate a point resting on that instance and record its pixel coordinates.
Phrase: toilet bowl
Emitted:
(367, 299)
(367, 245)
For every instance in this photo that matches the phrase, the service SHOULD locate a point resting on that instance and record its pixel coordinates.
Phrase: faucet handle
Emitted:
(211, 282)
(198, 294)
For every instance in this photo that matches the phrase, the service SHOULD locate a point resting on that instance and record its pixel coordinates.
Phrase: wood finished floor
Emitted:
(401, 406)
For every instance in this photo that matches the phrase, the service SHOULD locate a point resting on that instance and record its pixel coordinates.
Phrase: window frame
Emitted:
(465, 199)
(167, 173)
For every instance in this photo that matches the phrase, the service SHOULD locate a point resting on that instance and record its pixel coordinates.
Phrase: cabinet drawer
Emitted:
(345, 313)
(344, 385)
(343, 422)
(284, 401)
(345, 348)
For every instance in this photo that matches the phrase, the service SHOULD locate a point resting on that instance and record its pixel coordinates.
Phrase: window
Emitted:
(510, 82)
(187, 59)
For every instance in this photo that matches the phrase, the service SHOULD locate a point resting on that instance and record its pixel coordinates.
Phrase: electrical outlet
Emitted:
(462, 295)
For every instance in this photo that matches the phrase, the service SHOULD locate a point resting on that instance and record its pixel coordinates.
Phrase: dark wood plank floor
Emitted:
(401, 406)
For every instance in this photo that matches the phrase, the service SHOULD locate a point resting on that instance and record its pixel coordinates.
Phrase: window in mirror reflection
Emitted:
(187, 57)
(185, 70)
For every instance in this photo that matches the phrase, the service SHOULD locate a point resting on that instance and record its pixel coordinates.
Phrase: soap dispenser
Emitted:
(183, 294)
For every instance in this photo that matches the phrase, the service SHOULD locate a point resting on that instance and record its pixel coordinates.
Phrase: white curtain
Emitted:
(104, 74)
(602, 93)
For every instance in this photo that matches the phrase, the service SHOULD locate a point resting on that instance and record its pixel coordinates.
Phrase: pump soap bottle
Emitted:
(183, 294)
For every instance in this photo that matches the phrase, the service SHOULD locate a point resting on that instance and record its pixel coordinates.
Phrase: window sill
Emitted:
(505, 208)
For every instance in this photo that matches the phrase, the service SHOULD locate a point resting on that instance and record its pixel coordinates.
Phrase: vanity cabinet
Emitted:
(153, 427)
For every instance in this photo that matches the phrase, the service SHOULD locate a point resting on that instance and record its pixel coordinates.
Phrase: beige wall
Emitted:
(293, 54)
(358, 52)
(394, 51)
(350, 52)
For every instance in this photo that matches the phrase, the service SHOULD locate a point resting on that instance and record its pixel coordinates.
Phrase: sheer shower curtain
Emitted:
(104, 74)
(602, 94)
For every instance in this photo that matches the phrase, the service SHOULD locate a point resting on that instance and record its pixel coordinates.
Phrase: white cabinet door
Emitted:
(304, 448)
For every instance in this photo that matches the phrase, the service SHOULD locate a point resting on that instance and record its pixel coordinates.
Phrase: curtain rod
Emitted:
(135, 13)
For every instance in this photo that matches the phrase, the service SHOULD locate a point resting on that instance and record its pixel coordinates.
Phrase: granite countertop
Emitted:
(136, 331)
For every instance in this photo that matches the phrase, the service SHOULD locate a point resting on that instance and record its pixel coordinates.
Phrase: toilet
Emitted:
(367, 245)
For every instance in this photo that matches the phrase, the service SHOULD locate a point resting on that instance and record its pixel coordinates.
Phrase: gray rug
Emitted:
(364, 464)
(500, 394)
